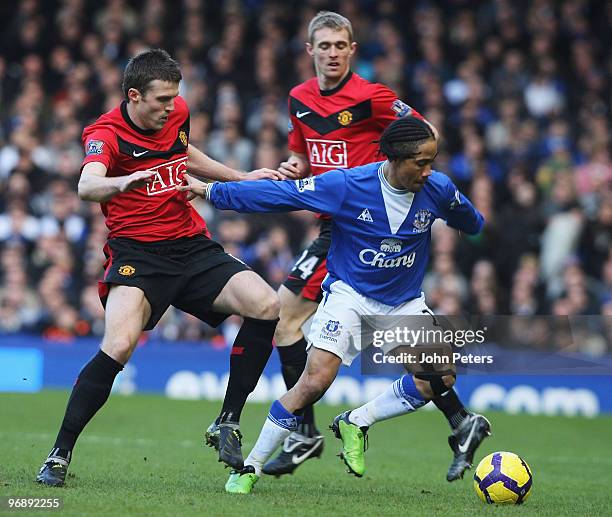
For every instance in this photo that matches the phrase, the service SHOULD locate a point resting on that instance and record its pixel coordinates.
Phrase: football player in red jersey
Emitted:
(159, 252)
(335, 120)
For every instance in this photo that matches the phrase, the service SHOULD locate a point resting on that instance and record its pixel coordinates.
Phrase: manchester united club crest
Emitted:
(183, 137)
(127, 270)
(345, 117)
(422, 220)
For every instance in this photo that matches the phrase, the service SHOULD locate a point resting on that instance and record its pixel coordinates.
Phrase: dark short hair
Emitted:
(402, 138)
(148, 66)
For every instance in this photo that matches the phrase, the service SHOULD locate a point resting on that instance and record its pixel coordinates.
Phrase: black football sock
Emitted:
(293, 362)
(90, 392)
(250, 353)
(453, 409)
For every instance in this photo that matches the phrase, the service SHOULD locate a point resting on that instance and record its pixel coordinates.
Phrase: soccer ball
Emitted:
(503, 478)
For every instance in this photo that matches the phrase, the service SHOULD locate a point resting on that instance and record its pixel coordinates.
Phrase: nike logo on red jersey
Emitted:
(337, 120)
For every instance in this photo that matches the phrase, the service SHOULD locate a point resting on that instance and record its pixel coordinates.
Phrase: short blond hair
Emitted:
(330, 20)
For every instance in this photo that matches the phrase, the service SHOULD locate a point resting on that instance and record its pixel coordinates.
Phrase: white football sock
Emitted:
(279, 424)
(397, 399)
(271, 436)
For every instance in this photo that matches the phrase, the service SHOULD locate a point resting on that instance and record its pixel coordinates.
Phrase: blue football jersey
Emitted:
(380, 235)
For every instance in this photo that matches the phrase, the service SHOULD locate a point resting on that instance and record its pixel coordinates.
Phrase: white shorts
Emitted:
(336, 326)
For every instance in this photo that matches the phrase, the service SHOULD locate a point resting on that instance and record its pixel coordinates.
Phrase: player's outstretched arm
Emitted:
(203, 166)
(295, 167)
(324, 193)
(94, 185)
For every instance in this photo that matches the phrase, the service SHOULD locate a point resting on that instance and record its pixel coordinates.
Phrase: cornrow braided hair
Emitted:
(402, 138)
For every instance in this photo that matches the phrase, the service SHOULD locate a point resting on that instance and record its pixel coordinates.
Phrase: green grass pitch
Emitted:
(143, 455)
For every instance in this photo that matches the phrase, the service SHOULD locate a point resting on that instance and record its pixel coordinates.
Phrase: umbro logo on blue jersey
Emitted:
(365, 216)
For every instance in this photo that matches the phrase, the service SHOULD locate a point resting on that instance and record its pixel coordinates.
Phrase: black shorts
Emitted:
(311, 267)
(188, 273)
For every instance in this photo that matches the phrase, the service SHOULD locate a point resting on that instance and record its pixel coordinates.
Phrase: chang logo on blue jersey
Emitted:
(376, 258)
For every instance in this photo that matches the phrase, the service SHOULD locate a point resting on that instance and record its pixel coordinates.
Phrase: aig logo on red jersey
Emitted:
(327, 153)
(168, 176)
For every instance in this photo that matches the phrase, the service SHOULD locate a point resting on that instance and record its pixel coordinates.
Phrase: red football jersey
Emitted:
(156, 211)
(337, 128)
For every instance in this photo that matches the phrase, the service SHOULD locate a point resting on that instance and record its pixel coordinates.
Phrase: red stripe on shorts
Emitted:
(312, 289)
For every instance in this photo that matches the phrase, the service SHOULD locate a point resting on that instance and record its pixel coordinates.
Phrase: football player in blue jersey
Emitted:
(381, 220)
(335, 117)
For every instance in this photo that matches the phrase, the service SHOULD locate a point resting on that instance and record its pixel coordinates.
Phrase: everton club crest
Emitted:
(422, 220)
(332, 328)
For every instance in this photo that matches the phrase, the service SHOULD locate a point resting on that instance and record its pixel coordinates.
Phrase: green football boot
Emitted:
(242, 482)
(354, 443)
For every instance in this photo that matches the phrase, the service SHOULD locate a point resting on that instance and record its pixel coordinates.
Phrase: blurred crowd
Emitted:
(519, 90)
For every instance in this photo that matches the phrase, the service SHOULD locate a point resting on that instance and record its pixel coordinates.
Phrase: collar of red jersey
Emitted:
(339, 87)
